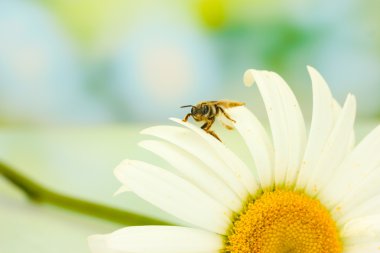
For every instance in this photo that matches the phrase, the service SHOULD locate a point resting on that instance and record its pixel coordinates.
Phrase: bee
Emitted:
(208, 111)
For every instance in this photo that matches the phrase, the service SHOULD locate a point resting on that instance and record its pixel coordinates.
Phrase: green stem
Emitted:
(40, 194)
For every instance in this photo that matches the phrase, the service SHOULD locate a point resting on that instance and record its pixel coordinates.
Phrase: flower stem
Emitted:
(39, 194)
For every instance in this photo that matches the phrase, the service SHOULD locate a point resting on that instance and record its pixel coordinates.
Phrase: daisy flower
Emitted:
(307, 192)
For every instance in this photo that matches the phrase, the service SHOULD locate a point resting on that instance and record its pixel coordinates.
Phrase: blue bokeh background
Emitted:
(79, 79)
(97, 62)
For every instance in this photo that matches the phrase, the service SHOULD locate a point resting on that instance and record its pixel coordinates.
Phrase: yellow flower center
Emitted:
(284, 222)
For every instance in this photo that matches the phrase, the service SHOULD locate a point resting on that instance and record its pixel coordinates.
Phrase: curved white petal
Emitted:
(356, 168)
(322, 122)
(121, 190)
(257, 141)
(174, 195)
(366, 208)
(337, 109)
(296, 129)
(237, 167)
(197, 146)
(362, 234)
(365, 227)
(335, 149)
(196, 172)
(286, 121)
(363, 248)
(274, 107)
(365, 189)
(157, 239)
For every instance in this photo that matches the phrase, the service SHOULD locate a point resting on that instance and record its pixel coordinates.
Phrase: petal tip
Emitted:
(142, 144)
(145, 131)
(97, 243)
(310, 68)
(248, 78)
(175, 119)
(121, 190)
(352, 98)
(313, 72)
(120, 167)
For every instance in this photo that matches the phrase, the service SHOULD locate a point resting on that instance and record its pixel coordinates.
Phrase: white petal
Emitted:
(335, 150)
(365, 189)
(322, 122)
(197, 146)
(356, 168)
(121, 190)
(237, 167)
(296, 129)
(367, 208)
(362, 234)
(363, 248)
(257, 141)
(287, 124)
(156, 239)
(365, 227)
(196, 172)
(174, 195)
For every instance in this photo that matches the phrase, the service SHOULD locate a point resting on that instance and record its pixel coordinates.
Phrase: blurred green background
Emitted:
(80, 78)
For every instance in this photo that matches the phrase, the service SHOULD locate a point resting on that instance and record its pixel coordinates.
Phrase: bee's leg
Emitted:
(206, 126)
(214, 134)
(226, 115)
(186, 117)
(228, 127)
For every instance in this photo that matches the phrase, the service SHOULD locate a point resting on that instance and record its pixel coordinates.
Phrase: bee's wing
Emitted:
(225, 122)
(228, 103)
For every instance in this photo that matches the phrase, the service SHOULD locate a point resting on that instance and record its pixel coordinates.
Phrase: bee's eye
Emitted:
(204, 109)
(193, 110)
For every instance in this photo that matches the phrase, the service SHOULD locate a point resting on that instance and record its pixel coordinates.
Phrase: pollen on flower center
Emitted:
(284, 222)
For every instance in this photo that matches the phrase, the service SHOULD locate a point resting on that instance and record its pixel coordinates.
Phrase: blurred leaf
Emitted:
(73, 161)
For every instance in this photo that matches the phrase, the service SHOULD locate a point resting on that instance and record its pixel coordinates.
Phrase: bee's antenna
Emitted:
(187, 106)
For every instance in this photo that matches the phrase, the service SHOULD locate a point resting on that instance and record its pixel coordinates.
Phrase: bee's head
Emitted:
(194, 109)
(197, 111)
